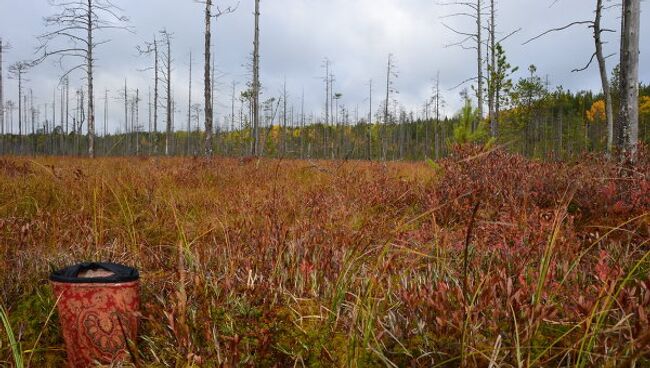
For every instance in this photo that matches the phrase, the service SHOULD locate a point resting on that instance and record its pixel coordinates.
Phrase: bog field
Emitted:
(482, 259)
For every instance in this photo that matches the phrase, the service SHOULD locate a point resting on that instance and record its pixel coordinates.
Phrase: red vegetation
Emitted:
(345, 263)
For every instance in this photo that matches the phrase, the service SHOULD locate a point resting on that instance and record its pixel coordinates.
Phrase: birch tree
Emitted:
(77, 22)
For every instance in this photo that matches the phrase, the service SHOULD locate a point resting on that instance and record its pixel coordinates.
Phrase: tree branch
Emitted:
(559, 29)
(586, 66)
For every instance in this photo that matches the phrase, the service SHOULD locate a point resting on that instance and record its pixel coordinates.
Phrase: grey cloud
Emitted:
(356, 35)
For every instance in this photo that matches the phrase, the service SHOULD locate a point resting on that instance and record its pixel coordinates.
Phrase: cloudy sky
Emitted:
(296, 35)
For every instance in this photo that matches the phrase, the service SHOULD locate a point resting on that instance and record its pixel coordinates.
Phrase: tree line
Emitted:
(526, 115)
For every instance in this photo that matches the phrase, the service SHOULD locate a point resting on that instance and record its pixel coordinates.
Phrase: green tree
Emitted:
(500, 85)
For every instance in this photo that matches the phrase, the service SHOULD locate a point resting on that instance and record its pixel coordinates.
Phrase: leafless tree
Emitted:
(326, 65)
(189, 106)
(438, 103)
(9, 108)
(17, 71)
(167, 81)
(256, 79)
(369, 133)
(207, 83)
(3, 47)
(599, 56)
(66, 86)
(151, 48)
(627, 127)
(125, 95)
(391, 74)
(105, 120)
(492, 44)
(76, 22)
(474, 10)
(283, 127)
(492, 62)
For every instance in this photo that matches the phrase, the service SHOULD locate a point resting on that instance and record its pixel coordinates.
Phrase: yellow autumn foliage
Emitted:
(644, 105)
(596, 113)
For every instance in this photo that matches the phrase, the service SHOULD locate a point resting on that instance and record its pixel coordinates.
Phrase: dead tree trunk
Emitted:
(474, 11)
(126, 119)
(2, 104)
(369, 133)
(602, 66)
(89, 75)
(494, 129)
(627, 129)
(155, 96)
(77, 22)
(479, 63)
(390, 73)
(189, 106)
(168, 79)
(256, 80)
(207, 84)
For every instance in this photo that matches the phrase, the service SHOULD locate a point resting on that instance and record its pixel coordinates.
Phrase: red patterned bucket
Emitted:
(98, 305)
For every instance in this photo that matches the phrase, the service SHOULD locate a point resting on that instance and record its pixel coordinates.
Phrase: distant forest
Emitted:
(526, 115)
(539, 122)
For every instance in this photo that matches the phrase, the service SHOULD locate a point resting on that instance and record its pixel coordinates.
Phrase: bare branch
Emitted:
(459, 32)
(463, 82)
(460, 14)
(586, 66)
(559, 29)
(228, 10)
(509, 35)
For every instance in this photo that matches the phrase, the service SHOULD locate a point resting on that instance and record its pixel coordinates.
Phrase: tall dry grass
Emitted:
(294, 263)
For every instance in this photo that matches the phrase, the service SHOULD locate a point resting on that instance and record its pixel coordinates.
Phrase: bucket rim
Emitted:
(120, 273)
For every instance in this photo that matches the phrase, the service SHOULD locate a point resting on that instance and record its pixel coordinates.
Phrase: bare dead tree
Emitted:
(472, 9)
(125, 95)
(189, 106)
(17, 71)
(627, 127)
(369, 133)
(283, 127)
(167, 81)
(76, 22)
(105, 121)
(3, 47)
(493, 43)
(66, 84)
(207, 83)
(599, 56)
(602, 67)
(326, 65)
(391, 74)
(438, 103)
(151, 48)
(232, 106)
(136, 122)
(256, 79)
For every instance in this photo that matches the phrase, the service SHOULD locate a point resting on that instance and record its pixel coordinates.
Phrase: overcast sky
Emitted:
(296, 35)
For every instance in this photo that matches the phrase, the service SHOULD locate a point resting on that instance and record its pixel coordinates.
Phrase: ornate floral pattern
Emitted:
(97, 321)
